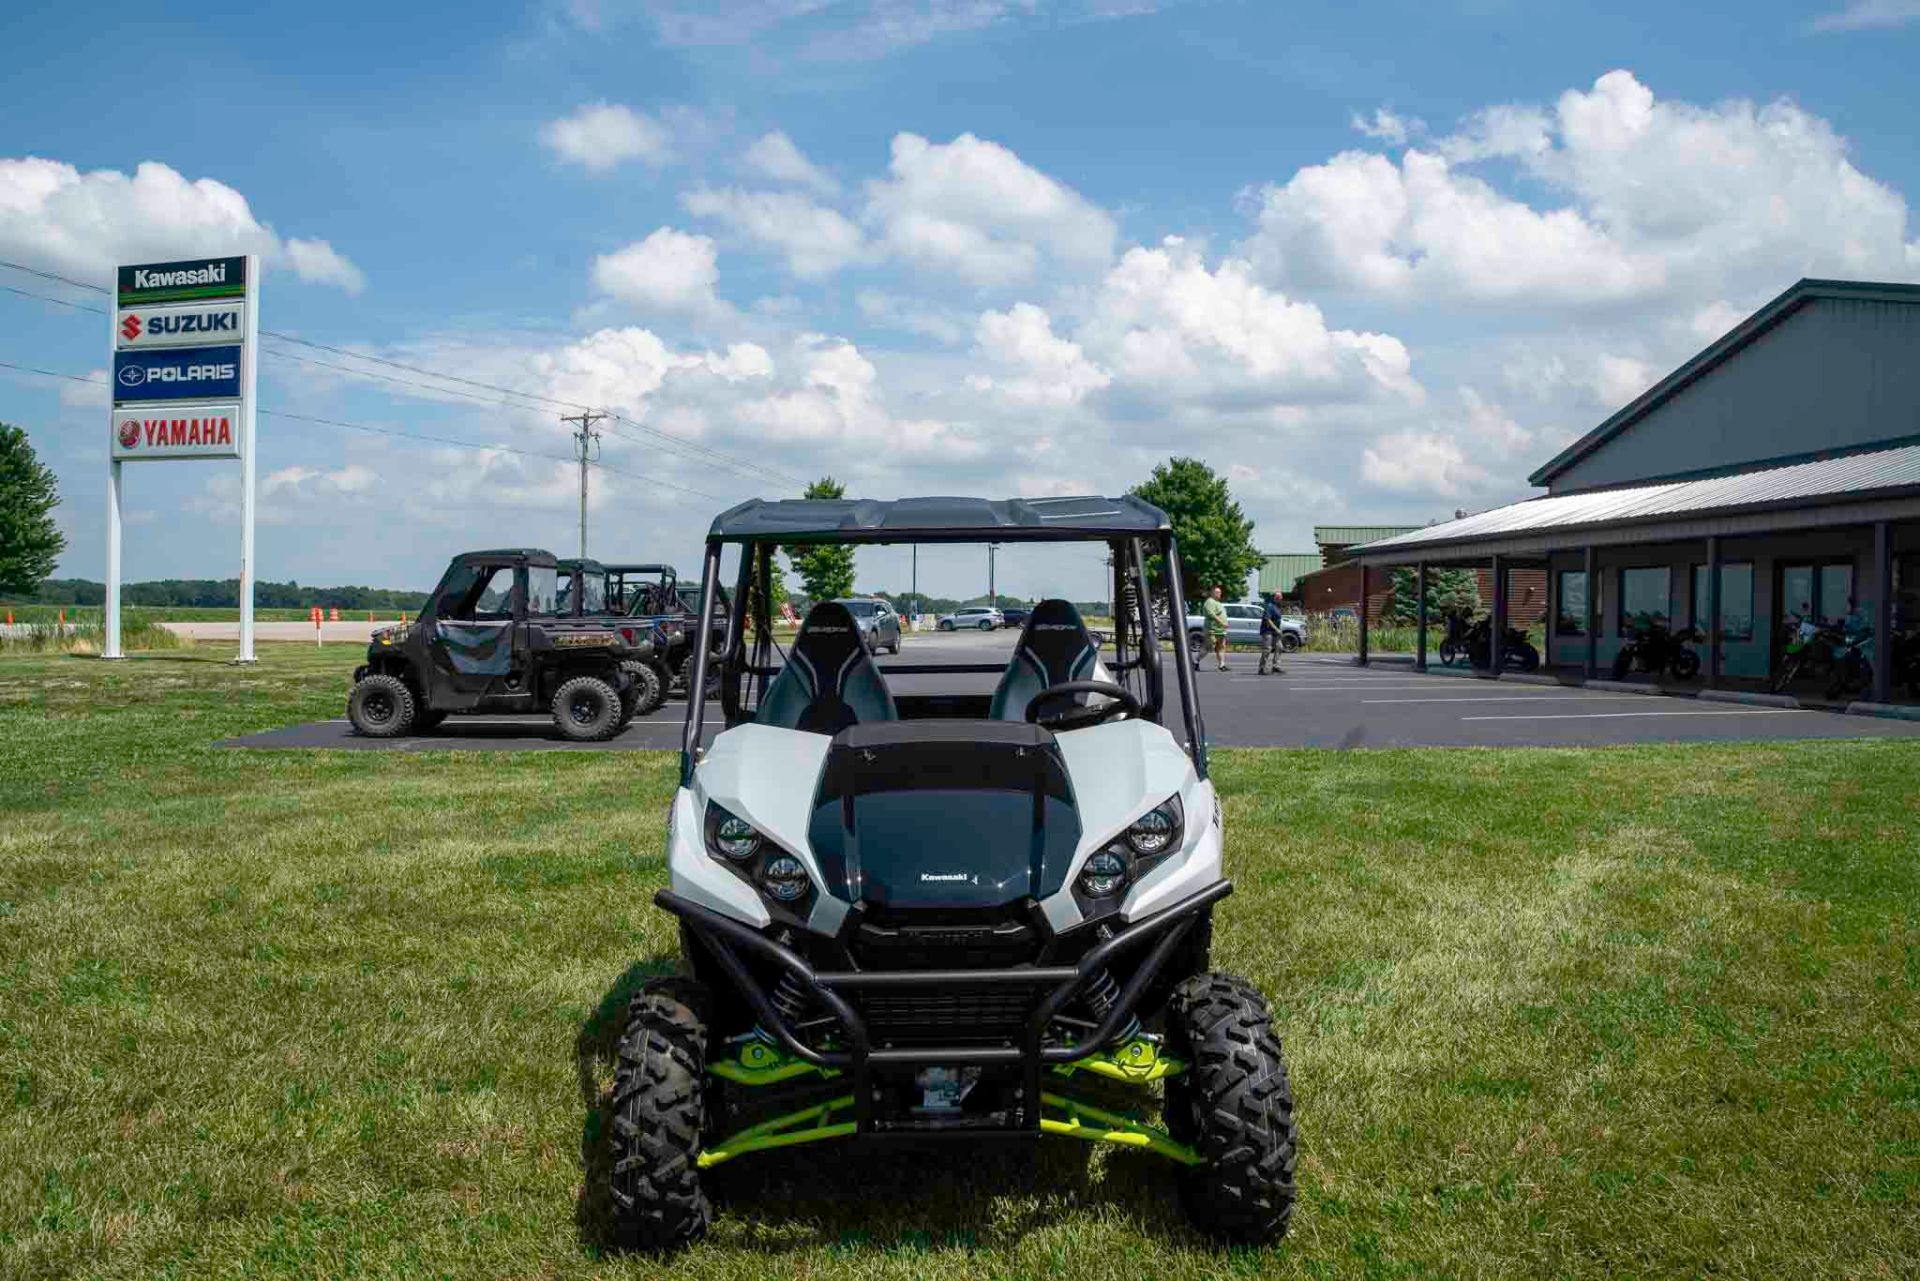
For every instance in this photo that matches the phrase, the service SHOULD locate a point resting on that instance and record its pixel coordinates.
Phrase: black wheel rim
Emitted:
(583, 708)
(377, 707)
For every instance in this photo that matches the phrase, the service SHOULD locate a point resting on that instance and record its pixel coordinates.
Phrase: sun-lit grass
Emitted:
(1624, 1012)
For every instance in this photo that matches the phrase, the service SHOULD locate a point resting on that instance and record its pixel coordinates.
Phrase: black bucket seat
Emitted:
(1054, 647)
(828, 681)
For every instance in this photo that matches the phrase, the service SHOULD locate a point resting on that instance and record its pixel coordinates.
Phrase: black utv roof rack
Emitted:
(930, 520)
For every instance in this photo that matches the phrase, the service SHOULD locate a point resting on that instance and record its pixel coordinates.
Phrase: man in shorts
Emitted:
(1215, 610)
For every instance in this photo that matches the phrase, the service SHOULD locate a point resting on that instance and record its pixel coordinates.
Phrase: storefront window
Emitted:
(1645, 591)
(1736, 601)
(1570, 609)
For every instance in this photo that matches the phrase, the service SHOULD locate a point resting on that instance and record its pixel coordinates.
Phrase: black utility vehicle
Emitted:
(490, 639)
(583, 593)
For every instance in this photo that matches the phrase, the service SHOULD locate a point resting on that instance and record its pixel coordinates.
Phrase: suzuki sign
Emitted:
(184, 345)
(142, 328)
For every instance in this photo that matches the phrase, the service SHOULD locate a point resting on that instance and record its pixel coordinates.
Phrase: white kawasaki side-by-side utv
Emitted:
(935, 914)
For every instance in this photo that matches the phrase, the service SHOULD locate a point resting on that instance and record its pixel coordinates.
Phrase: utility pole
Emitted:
(992, 597)
(586, 443)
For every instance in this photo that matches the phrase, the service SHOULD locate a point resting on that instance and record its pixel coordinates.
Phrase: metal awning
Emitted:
(926, 520)
(1881, 484)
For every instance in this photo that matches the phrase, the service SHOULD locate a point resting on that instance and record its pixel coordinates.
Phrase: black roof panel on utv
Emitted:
(860, 520)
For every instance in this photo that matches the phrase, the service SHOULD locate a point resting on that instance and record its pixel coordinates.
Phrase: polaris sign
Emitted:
(180, 373)
(194, 325)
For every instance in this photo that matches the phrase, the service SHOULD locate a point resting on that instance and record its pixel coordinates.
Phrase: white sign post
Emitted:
(185, 344)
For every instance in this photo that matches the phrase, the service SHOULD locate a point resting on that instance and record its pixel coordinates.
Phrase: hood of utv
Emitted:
(932, 815)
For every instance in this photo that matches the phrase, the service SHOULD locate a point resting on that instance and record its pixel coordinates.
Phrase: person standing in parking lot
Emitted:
(1271, 633)
(1215, 610)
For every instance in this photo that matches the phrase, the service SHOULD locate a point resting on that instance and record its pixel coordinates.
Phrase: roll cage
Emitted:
(1138, 537)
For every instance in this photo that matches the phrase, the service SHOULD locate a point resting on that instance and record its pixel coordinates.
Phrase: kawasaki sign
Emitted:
(191, 280)
(185, 337)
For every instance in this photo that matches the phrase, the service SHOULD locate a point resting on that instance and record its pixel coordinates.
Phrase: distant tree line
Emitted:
(220, 593)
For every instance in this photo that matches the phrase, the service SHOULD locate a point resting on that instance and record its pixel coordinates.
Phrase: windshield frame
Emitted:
(1134, 593)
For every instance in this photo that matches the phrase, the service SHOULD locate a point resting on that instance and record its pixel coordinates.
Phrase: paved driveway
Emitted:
(1322, 700)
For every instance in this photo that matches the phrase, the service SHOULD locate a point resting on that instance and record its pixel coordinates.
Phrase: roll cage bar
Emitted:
(1137, 664)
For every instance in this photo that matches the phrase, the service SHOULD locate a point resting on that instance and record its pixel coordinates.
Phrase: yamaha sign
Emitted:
(185, 335)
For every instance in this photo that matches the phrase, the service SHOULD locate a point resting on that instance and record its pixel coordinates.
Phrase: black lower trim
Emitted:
(725, 939)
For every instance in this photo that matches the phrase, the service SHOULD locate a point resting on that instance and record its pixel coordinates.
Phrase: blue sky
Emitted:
(923, 245)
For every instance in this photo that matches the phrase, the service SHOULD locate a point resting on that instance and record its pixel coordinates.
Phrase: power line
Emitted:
(705, 454)
(394, 431)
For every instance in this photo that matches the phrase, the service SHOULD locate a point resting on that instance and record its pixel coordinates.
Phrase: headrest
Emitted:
(1057, 641)
(828, 638)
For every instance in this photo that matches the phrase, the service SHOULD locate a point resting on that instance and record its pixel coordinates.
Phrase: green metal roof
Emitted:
(1281, 570)
(1348, 535)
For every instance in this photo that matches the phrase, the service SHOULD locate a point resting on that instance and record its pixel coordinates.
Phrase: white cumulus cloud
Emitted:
(974, 209)
(815, 241)
(670, 270)
(1652, 200)
(1047, 369)
(774, 155)
(83, 224)
(602, 135)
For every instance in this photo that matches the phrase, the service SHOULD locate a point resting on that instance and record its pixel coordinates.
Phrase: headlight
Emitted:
(1103, 874)
(731, 837)
(1158, 830)
(784, 879)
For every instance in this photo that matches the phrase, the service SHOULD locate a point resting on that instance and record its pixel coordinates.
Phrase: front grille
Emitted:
(952, 1016)
(989, 938)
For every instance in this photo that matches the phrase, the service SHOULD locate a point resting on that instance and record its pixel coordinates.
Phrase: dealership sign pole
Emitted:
(185, 340)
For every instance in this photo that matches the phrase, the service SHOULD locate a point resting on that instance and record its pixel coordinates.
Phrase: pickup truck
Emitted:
(1243, 626)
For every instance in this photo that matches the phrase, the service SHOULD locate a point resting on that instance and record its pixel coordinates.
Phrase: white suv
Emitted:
(978, 617)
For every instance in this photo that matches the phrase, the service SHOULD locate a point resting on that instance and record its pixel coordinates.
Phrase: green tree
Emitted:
(826, 572)
(1216, 538)
(1446, 589)
(30, 542)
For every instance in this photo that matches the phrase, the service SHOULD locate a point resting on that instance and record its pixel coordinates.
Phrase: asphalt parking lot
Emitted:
(1320, 700)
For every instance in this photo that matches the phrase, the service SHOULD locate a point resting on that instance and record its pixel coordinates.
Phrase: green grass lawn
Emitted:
(1626, 1012)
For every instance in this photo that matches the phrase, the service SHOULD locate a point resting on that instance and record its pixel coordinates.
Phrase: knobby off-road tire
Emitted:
(586, 710)
(646, 692)
(658, 1102)
(380, 706)
(1234, 1107)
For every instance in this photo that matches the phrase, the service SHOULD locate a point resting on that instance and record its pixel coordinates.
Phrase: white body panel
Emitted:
(769, 777)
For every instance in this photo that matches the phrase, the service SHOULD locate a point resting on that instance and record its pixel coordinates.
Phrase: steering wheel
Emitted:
(1080, 718)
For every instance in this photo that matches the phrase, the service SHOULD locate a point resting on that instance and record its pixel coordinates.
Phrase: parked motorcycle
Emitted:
(1518, 652)
(1453, 646)
(1656, 648)
(1903, 653)
(1810, 648)
(1852, 664)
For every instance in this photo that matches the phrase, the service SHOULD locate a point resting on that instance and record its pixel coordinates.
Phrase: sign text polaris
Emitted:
(192, 325)
(184, 431)
(192, 280)
(177, 373)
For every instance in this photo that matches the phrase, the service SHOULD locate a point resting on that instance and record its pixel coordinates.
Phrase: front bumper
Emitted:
(1045, 991)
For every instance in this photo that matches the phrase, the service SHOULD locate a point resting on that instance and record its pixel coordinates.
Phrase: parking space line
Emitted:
(1572, 696)
(1576, 716)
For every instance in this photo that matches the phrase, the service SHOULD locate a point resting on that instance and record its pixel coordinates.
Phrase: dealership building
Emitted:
(1782, 463)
